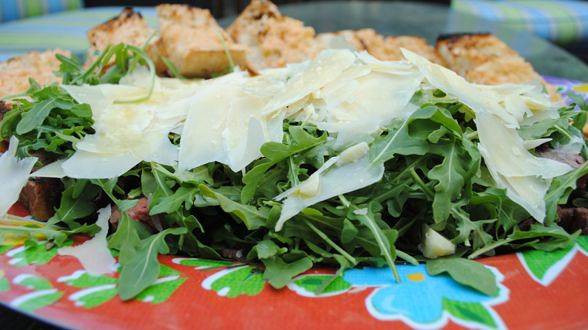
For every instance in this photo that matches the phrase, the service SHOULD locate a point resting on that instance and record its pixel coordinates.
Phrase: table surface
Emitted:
(68, 31)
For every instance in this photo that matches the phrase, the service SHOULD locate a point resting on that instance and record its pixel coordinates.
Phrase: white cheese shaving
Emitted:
(224, 124)
(506, 150)
(436, 245)
(333, 181)
(499, 111)
(53, 170)
(353, 153)
(377, 99)
(477, 98)
(325, 68)
(94, 254)
(14, 174)
(128, 133)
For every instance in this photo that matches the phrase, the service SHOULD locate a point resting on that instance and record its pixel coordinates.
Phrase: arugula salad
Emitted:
(343, 161)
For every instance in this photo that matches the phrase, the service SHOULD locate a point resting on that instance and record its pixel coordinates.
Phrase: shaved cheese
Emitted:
(87, 165)
(532, 144)
(436, 245)
(326, 67)
(14, 175)
(378, 99)
(508, 154)
(129, 133)
(333, 181)
(472, 95)
(225, 124)
(353, 153)
(527, 191)
(499, 110)
(53, 170)
(94, 254)
(393, 67)
(525, 177)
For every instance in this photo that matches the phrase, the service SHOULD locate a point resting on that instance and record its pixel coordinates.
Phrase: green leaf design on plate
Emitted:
(43, 293)
(97, 289)
(168, 282)
(32, 282)
(583, 243)
(235, 282)
(201, 263)
(4, 284)
(545, 266)
(94, 296)
(81, 279)
(5, 248)
(470, 312)
(36, 299)
(307, 285)
(32, 253)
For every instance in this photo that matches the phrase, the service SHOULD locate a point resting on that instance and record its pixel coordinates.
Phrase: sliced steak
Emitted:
(139, 212)
(41, 196)
(4, 108)
(573, 219)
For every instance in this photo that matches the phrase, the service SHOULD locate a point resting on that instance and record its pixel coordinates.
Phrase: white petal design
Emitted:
(94, 254)
(14, 174)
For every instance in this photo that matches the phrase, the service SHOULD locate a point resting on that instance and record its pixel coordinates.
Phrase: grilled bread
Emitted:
(128, 27)
(194, 42)
(272, 39)
(15, 73)
(484, 59)
(383, 48)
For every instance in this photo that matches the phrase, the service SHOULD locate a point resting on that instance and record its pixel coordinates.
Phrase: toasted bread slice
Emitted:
(484, 59)
(15, 73)
(415, 44)
(128, 27)
(272, 39)
(194, 42)
(387, 49)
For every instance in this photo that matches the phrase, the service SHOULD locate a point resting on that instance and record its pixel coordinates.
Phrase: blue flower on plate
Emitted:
(424, 301)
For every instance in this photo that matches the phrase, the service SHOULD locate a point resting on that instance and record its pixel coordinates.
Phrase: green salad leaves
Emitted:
(434, 177)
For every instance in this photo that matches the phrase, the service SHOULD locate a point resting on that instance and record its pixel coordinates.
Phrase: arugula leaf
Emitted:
(279, 273)
(127, 237)
(77, 202)
(397, 141)
(35, 116)
(387, 249)
(275, 153)
(252, 217)
(141, 269)
(467, 272)
(265, 249)
(348, 232)
(169, 204)
(450, 177)
(560, 190)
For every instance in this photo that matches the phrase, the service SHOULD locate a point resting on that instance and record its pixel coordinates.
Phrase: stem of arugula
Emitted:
(417, 179)
(331, 243)
(371, 224)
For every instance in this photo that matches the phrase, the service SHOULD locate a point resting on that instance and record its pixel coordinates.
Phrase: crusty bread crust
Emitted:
(484, 59)
(194, 42)
(383, 48)
(15, 73)
(272, 39)
(128, 27)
